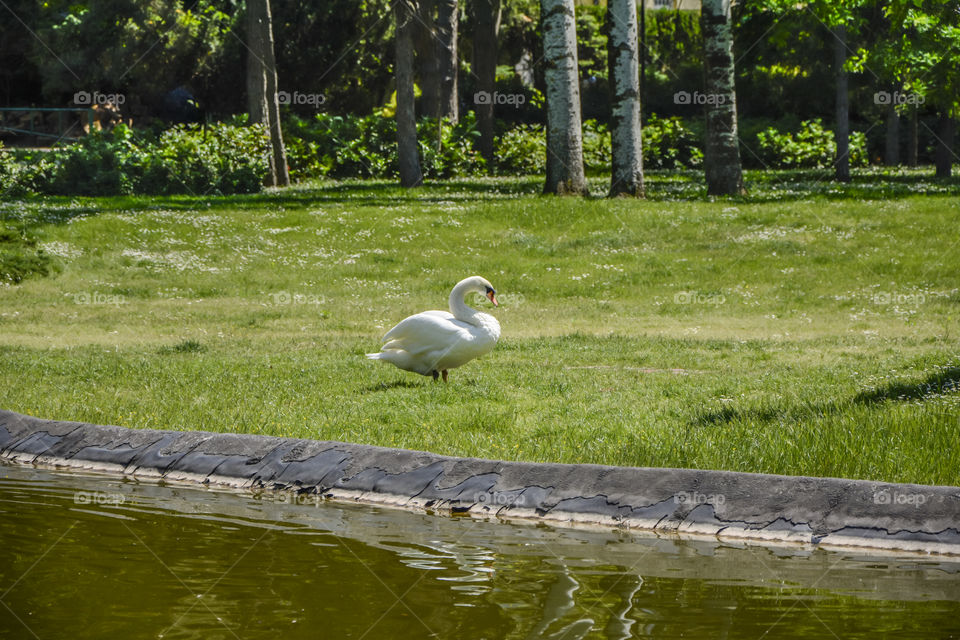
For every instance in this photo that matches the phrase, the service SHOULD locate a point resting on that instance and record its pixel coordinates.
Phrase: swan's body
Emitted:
(433, 342)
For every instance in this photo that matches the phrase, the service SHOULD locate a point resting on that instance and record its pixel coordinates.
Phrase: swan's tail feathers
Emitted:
(375, 356)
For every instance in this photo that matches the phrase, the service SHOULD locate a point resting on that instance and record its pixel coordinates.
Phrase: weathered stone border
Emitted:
(775, 509)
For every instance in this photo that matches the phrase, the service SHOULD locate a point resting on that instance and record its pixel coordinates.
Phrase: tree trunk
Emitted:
(626, 156)
(263, 99)
(564, 136)
(891, 156)
(282, 173)
(485, 34)
(913, 135)
(256, 75)
(410, 175)
(842, 132)
(428, 69)
(448, 19)
(643, 55)
(722, 168)
(944, 150)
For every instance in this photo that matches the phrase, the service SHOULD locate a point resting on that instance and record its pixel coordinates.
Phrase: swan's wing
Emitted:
(427, 331)
(405, 325)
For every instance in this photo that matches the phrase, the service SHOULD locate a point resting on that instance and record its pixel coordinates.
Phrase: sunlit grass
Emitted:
(809, 332)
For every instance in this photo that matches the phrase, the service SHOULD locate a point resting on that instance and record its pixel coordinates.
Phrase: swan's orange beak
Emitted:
(493, 298)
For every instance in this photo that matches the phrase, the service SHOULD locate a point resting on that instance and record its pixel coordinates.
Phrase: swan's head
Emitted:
(480, 285)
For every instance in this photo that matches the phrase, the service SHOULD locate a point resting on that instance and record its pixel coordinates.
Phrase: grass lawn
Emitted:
(806, 329)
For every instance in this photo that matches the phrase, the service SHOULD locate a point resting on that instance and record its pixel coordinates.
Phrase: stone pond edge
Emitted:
(771, 509)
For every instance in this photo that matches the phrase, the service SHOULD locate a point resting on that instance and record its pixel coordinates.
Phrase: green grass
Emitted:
(807, 329)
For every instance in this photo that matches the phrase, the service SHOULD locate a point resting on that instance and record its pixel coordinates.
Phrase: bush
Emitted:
(457, 155)
(521, 150)
(596, 146)
(668, 144)
(23, 172)
(342, 146)
(366, 147)
(101, 164)
(812, 147)
(220, 158)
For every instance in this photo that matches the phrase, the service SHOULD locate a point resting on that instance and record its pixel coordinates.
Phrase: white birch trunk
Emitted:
(564, 137)
(627, 158)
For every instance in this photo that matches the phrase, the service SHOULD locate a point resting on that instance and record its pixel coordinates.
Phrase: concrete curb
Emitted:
(828, 512)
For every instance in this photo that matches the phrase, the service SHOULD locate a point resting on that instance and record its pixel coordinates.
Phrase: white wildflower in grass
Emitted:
(61, 249)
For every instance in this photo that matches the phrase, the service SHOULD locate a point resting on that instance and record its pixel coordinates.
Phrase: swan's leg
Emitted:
(444, 375)
(435, 375)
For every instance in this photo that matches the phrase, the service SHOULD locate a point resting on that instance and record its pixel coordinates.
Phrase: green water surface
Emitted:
(86, 556)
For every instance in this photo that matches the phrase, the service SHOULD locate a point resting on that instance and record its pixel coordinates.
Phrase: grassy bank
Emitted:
(804, 330)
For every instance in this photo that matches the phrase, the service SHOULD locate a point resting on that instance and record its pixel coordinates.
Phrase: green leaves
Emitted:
(812, 147)
(188, 159)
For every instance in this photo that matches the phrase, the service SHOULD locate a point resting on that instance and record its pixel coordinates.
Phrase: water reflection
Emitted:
(88, 557)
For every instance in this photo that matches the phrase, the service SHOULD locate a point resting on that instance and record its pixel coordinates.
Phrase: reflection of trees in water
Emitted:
(469, 588)
(547, 597)
(526, 596)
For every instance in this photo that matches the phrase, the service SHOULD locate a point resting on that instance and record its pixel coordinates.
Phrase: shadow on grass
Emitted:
(762, 186)
(944, 380)
(387, 386)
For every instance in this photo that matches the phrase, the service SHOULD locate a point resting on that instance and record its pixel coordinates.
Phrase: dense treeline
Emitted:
(172, 63)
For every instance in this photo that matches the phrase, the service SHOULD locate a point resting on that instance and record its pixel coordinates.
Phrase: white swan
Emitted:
(433, 342)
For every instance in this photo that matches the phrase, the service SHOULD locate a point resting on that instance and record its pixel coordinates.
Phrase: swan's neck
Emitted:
(458, 307)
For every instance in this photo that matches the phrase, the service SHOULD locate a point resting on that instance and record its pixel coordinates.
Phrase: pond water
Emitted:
(85, 556)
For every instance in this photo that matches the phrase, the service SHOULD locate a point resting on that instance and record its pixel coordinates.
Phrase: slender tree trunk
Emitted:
(722, 168)
(891, 156)
(262, 91)
(643, 55)
(282, 173)
(427, 61)
(944, 150)
(565, 173)
(410, 175)
(913, 135)
(448, 19)
(485, 34)
(842, 132)
(627, 159)
(256, 76)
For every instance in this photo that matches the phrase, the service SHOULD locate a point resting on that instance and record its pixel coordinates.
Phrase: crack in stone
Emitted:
(774, 508)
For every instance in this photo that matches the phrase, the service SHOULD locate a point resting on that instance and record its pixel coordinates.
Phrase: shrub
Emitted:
(221, 158)
(366, 147)
(812, 147)
(596, 146)
(342, 146)
(457, 155)
(521, 150)
(23, 171)
(100, 164)
(668, 144)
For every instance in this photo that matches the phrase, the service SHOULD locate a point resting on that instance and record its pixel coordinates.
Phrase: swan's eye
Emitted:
(489, 291)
